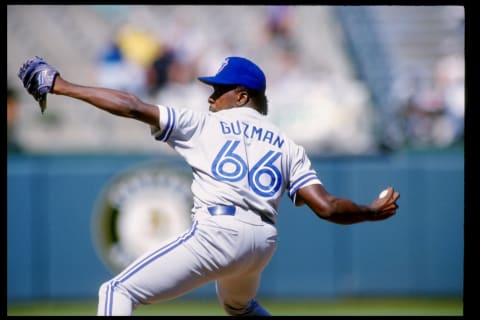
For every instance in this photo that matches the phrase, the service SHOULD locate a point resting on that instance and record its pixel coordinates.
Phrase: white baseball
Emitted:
(383, 193)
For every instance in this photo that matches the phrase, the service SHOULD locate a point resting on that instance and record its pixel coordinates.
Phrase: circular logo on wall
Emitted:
(138, 209)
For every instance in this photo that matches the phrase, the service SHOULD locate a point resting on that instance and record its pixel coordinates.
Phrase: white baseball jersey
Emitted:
(237, 156)
(240, 161)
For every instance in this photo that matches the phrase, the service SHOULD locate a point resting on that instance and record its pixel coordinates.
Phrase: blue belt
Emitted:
(222, 210)
(230, 211)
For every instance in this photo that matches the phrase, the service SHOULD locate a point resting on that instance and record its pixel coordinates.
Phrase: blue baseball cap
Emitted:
(238, 71)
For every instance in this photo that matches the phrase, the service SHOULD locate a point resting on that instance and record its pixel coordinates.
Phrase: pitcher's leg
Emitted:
(161, 274)
(236, 295)
(237, 292)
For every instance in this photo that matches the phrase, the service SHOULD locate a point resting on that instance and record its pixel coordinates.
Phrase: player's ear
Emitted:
(242, 97)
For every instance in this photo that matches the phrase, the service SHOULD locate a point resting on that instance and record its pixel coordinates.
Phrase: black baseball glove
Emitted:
(38, 78)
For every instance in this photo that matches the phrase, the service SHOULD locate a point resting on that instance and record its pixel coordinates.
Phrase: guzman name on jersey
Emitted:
(251, 132)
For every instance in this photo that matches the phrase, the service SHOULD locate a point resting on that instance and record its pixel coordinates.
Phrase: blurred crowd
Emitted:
(313, 94)
(307, 102)
(156, 62)
(430, 111)
(13, 145)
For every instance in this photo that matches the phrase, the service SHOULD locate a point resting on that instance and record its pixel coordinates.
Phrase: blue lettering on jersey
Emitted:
(252, 132)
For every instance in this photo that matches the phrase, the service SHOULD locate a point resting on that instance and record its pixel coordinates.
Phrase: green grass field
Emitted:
(340, 307)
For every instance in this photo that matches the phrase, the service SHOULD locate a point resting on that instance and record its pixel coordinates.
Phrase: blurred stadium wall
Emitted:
(53, 213)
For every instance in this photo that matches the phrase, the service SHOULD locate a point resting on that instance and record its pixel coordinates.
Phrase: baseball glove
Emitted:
(38, 78)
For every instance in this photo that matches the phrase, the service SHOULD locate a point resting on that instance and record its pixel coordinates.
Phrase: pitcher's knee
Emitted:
(114, 300)
(112, 287)
(103, 288)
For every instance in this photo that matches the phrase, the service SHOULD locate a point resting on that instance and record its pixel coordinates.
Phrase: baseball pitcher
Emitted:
(241, 165)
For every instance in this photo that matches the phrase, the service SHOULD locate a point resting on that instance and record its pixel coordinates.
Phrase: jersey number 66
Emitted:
(264, 177)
